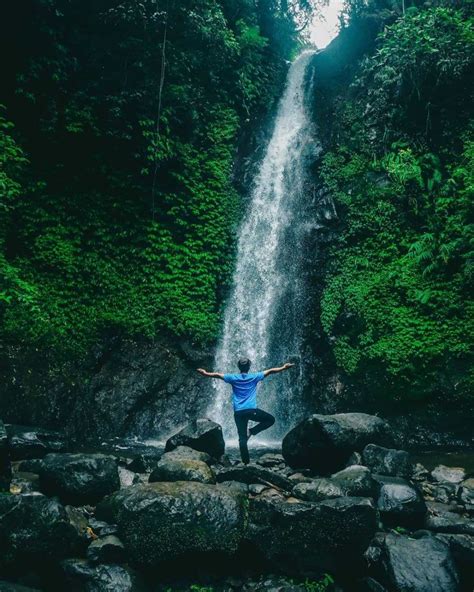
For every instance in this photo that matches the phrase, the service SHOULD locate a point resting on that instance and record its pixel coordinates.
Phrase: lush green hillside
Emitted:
(118, 134)
(397, 303)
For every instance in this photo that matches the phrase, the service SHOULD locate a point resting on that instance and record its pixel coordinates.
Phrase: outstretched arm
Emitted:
(210, 374)
(276, 370)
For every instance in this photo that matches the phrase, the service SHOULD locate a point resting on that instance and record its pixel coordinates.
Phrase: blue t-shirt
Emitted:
(244, 389)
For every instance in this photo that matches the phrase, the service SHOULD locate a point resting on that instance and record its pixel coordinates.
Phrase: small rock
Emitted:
(387, 461)
(440, 519)
(400, 503)
(257, 488)
(127, 477)
(443, 474)
(420, 473)
(187, 453)
(271, 460)
(101, 528)
(182, 470)
(466, 494)
(80, 574)
(107, 549)
(202, 434)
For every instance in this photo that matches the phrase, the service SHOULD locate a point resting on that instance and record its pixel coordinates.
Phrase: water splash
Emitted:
(265, 312)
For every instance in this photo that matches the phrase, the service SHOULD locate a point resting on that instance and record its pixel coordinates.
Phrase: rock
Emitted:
(187, 453)
(11, 587)
(108, 549)
(443, 474)
(444, 492)
(126, 477)
(253, 473)
(418, 565)
(34, 529)
(160, 521)
(202, 434)
(82, 576)
(25, 442)
(306, 538)
(271, 460)
(354, 459)
(31, 465)
(354, 480)
(142, 463)
(182, 470)
(79, 478)
(387, 461)
(441, 519)
(257, 488)
(400, 503)
(236, 486)
(420, 473)
(24, 483)
(79, 520)
(462, 550)
(324, 443)
(101, 528)
(466, 494)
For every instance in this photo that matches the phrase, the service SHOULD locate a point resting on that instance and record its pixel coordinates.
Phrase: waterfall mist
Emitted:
(265, 312)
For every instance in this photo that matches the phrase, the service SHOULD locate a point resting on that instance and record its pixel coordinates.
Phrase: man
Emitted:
(244, 390)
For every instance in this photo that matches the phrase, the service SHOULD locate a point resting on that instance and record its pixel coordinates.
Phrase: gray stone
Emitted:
(444, 474)
(81, 575)
(182, 470)
(354, 480)
(79, 478)
(418, 565)
(324, 443)
(107, 549)
(201, 434)
(441, 519)
(253, 473)
(160, 521)
(387, 461)
(307, 538)
(187, 453)
(400, 502)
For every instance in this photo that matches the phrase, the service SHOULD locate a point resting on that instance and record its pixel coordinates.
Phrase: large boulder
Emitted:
(253, 473)
(27, 442)
(81, 576)
(387, 461)
(324, 443)
(418, 565)
(400, 502)
(34, 529)
(79, 478)
(352, 481)
(307, 538)
(201, 434)
(161, 521)
(182, 470)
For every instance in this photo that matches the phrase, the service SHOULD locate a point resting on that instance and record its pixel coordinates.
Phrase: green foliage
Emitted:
(397, 303)
(123, 219)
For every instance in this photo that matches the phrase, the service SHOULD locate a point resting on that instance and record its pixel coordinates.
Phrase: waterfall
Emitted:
(265, 312)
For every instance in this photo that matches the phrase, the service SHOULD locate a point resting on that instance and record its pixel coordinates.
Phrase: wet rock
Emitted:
(187, 453)
(142, 463)
(354, 480)
(26, 442)
(107, 549)
(440, 519)
(420, 473)
(34, 528)
(271, 460)
(31, 465)
(236, 486)
(79, 478)
(325, 442)
(78, 518)
(400, 502)
(102, 528)
(257, 488)
(202, 434)
(462, 550)
(387, 461)
(306, 538)
(418, 565)
(24, 483)
(182, 470)
(443, 474)
(160, 521)
(127, 477)
(82, 576)
(253, 473)
(466, 494)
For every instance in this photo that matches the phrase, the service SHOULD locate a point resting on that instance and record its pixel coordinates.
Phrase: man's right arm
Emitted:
(276, 370)
(210, 374)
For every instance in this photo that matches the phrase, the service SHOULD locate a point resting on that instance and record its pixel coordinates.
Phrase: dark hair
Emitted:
(244, 365)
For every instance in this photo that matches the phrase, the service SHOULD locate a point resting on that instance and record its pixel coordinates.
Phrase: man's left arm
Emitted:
(210, 374)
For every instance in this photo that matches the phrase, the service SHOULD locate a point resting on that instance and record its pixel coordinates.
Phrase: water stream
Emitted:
(265, 312)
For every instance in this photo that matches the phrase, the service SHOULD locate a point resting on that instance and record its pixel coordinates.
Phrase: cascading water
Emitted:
(266, 309)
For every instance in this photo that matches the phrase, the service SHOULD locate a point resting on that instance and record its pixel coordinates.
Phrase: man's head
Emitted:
(244, 365)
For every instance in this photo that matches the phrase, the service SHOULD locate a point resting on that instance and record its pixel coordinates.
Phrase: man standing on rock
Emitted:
(244, 391)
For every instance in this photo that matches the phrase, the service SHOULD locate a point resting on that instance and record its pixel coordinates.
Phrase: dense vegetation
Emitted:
(398, 298)
(118, 133)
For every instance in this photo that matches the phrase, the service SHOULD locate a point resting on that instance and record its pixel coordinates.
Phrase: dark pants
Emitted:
(242, 418)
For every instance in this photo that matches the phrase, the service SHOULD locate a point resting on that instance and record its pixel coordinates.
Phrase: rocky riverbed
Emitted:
(339, 507)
